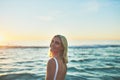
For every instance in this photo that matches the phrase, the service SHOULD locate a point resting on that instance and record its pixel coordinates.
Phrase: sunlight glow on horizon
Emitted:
(1, 38)
(45, 42)
(38, 20)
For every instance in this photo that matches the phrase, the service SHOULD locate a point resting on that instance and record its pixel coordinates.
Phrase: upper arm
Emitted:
(50, 69)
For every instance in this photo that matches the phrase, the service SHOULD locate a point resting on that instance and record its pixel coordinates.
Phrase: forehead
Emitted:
(56, 39)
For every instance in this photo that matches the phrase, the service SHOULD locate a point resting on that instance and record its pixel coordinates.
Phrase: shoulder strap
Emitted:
(56, 68)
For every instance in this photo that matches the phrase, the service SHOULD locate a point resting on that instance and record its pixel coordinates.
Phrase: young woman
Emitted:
(56, 66)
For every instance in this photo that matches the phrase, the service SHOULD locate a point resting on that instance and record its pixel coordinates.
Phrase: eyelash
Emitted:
(56, 42)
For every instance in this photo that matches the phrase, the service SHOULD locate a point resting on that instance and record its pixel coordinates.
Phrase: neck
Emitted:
(56, 55)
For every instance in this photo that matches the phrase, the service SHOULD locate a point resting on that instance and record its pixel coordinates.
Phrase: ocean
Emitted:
(86, 62)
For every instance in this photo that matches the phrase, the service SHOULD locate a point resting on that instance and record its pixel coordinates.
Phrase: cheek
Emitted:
(57, 47)
(60, 48)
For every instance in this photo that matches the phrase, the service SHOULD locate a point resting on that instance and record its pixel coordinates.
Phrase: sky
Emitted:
(40, 20)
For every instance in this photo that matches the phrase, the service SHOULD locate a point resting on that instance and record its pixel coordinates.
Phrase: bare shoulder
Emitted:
(51, 61)
(50, 69)
(51, 64)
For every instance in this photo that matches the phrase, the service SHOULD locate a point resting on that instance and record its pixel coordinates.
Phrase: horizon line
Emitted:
(72, 46)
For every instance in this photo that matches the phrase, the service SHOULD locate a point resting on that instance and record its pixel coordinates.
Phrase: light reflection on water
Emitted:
(85, 63)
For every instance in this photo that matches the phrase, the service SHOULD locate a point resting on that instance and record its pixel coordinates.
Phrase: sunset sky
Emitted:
(40, 20)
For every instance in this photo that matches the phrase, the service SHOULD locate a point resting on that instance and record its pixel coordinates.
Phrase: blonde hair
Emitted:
(65, 46)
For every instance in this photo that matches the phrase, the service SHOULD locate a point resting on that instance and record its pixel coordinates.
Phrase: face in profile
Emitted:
(56, 45)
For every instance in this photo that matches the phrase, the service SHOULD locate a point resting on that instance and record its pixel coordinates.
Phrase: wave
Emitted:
(74, 77)
(94, 46)
(28, 76)
(25, 62)
(22, 76)
(105, 69)
(73, 69)
(83, 60)
(3, 58)
(110, 77)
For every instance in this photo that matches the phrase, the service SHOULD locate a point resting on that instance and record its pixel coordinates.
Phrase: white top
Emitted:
(56, 68)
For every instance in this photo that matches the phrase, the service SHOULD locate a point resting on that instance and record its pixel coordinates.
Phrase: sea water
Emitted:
(96, 62)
